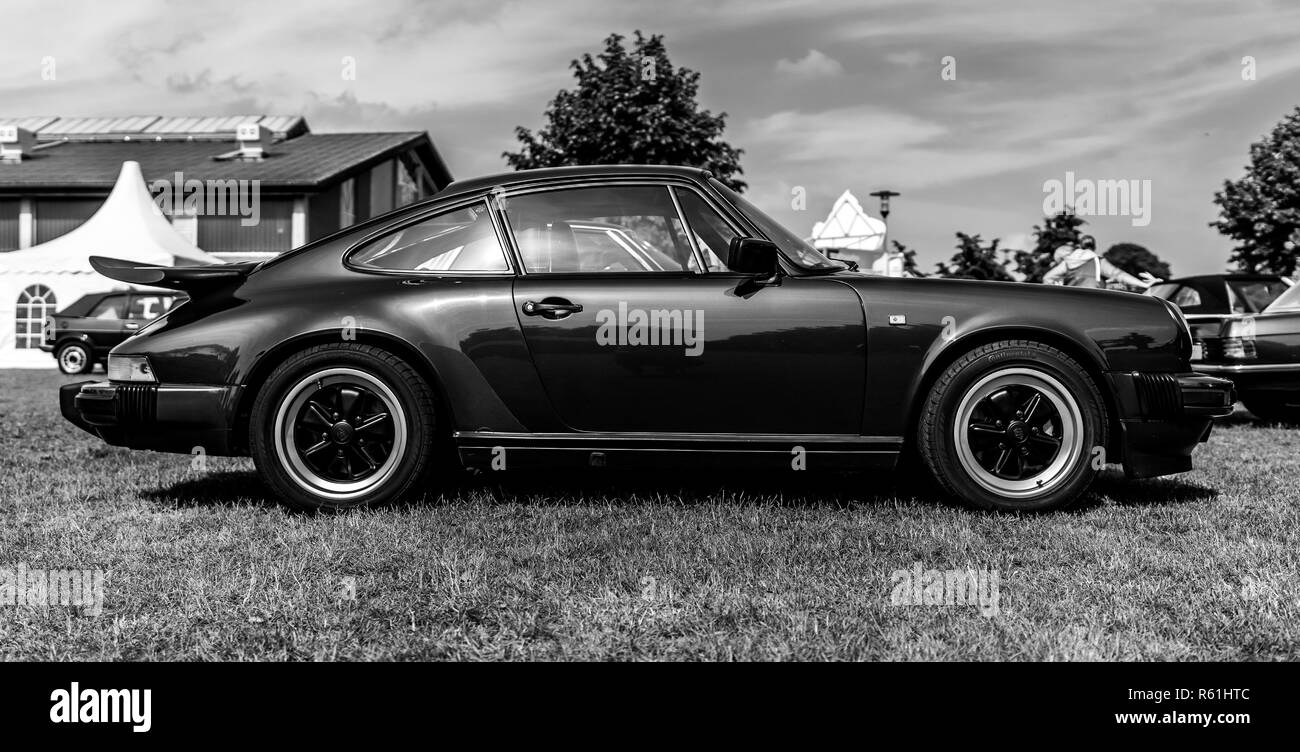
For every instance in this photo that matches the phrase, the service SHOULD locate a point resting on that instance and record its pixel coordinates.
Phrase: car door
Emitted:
(622, 344)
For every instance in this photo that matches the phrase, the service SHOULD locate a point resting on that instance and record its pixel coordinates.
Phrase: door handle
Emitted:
(551, 308)
(131, 325)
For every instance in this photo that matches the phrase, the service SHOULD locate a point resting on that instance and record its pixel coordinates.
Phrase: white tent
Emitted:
(39, 280)
(849, 227)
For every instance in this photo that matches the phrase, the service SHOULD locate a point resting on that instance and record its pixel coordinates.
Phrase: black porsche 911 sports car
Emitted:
(625, 316)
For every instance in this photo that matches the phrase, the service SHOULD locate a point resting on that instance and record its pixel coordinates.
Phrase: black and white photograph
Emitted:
(568, 331)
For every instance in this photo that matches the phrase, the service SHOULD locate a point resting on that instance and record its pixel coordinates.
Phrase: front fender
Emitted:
(917, 326)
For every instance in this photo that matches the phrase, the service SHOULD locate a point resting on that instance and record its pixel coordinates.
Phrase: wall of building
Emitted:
(376, 191)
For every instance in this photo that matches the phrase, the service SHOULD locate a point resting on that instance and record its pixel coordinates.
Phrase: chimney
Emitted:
(15, 143)
(254, 141)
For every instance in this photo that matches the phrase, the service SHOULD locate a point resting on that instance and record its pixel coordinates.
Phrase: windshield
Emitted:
(1254, 296)
(1289, 300)
(796, 248)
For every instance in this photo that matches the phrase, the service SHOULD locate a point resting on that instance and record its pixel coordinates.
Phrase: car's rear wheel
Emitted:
(1014, 426)
(74, 358)
(343, 426)
(1271, 408)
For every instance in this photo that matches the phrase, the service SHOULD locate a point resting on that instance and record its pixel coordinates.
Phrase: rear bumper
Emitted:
(164, 418)
(1163, 417)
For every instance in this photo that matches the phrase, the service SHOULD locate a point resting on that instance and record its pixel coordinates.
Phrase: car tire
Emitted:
(343, 426)
(74, 358)
(1014, 426)
(1271, 409)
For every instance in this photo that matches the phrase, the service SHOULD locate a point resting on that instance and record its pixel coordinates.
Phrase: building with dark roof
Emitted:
(239, 187)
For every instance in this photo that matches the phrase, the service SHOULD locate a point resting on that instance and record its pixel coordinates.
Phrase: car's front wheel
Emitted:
(1014, 426)
(74, 358)
(342, 426)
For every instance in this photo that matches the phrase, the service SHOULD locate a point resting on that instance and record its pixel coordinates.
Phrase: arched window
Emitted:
(34, 304)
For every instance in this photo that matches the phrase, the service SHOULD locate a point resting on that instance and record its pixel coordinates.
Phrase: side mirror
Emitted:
(753, 256)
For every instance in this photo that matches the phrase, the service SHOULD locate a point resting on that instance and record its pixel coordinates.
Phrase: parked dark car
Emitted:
(1212, 296)
(1260, 353)
(482, 324)
(81, 335)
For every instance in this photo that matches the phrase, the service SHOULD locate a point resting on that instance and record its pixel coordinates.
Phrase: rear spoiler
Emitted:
(174, 277)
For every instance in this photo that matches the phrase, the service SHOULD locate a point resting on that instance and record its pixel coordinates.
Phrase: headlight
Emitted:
(130, 368)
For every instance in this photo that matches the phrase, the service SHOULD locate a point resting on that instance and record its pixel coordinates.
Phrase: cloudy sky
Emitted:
(826, 95)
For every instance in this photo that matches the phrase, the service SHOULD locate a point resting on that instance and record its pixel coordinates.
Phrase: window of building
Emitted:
(408, 189)
(348, 203)
(35, 303)
(60, 216)
(9, 211)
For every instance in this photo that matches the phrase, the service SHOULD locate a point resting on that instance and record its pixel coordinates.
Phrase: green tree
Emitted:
(1053, 233)
(1261, 211)
(909, 260)
(630, 107)
(974, 260)
(1136, 259)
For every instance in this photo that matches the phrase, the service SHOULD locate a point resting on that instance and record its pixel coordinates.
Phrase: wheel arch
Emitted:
(939, 360)
(263, 367)
(80, 338)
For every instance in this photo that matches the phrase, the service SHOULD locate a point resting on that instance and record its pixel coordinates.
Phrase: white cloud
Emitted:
(813, 65)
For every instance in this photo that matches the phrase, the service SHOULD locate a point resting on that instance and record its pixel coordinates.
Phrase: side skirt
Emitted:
(519, 451)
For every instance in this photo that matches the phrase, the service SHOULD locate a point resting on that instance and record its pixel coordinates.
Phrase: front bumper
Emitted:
(164, 418)
(1163, 416)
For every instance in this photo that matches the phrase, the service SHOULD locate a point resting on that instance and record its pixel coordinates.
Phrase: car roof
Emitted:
(1224, 278)
(549, 174)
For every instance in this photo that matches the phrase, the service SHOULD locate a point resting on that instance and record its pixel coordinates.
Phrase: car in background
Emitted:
(1217, 295)
(82, 334)
(1260, 353)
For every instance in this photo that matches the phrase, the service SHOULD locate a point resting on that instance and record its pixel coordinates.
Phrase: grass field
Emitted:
(200, 564)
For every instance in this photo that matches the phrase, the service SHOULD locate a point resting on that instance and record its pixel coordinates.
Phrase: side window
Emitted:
(1187, 297)
(712, 233)
(610, 229)
(461, 240)
(111, 307)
